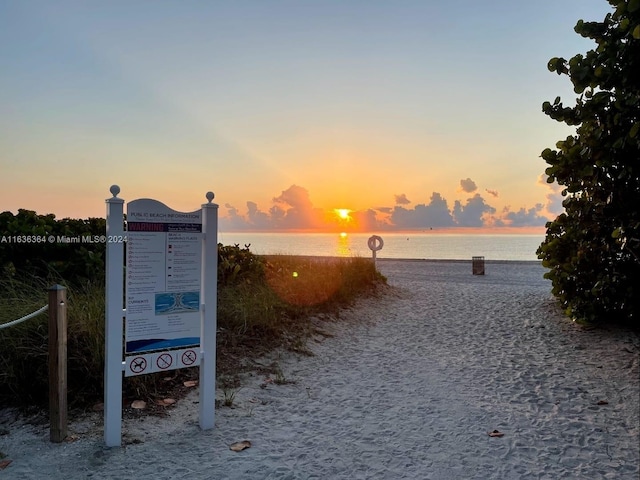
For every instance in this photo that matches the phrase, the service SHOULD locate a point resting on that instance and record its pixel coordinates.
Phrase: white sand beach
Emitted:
(408, 387)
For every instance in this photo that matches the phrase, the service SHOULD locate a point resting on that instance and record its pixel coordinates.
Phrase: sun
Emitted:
(343, 213)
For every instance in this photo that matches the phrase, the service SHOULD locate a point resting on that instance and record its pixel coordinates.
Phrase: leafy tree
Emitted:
(593, 248)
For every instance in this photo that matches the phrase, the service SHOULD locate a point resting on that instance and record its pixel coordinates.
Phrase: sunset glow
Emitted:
(321, 104)
(343, 213)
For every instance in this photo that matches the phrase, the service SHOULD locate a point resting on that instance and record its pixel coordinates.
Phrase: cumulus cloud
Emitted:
(296, 197)
(434, 214)
(255, 217)
(402, 199)
(468, 185)
(526, 217)
(233, 220)
(493, 193)
(471, 214)
(276, 215)
(368, 220)
(554, 197)
(231, 210)
(293, 209)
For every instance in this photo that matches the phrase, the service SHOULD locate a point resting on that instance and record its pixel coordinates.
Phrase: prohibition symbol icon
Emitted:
(138, 365)
(189, 357)
(164, 361)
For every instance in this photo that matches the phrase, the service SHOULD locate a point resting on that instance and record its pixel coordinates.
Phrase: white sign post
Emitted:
(114, 317)
(171, 277)
(209, 323)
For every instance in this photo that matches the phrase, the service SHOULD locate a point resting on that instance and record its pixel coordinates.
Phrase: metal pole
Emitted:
(57, 363)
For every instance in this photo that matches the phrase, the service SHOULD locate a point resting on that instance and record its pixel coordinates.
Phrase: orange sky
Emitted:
(288, 112)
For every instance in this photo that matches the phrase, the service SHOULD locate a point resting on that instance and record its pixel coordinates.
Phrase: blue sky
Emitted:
(286, 110)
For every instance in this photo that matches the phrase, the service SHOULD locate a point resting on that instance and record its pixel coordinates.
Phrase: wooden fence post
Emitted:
(57, 363)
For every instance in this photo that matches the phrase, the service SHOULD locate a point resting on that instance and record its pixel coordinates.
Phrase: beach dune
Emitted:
(410, 385)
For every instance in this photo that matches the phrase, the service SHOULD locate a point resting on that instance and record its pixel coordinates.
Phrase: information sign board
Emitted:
(167, 317)
(163, 273)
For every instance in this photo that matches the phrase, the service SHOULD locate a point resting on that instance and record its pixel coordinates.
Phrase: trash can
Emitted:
(477, 265)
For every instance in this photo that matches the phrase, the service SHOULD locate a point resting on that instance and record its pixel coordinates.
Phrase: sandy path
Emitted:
(408, 388)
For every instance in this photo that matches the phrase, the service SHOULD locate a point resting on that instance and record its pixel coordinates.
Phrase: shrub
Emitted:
(262, 303)
(593, 248)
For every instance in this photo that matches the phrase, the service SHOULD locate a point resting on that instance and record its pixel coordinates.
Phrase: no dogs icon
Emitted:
(138, 365)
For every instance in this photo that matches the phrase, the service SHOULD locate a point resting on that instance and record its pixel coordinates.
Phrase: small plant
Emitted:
(230, 386)
(280, 379)
(229, 396)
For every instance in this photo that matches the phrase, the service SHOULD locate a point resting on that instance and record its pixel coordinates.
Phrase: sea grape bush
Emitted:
(238, 265)
(593, 248)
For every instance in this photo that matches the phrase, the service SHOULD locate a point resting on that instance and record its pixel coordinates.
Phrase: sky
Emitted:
(411, 114)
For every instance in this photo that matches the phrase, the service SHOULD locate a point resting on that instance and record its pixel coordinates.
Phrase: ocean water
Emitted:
(432, 246)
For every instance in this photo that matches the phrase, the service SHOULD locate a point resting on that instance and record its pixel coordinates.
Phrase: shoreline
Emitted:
(438, 260)
(387, 259)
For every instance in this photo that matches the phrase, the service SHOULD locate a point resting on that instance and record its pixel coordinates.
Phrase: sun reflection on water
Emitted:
(343, 248)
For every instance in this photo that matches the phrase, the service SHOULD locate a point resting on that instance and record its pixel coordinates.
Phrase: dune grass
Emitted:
(263, 303)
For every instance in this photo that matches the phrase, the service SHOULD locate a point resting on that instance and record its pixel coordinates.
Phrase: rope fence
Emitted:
(57, 308)
(25, 318)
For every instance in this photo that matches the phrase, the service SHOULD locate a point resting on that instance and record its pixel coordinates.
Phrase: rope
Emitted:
(25, 318)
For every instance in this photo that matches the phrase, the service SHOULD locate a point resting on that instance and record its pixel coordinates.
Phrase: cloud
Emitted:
(435, 214)
(402, 199)
(468, 185)
(526, 217)
(233, 220)
(293, 210)
(257, 218)
(232, 211)
(554, 197)
(296, 197)
(297, 210)
(493, 193)
(368, 220)
(472, 213)
(276, 215)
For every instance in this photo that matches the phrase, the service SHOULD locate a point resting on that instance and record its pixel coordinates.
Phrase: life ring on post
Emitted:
(375, 243)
